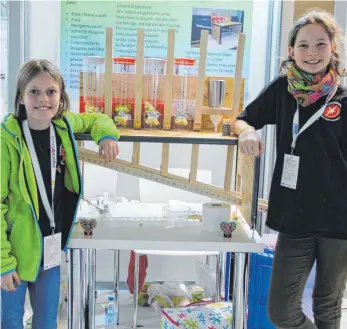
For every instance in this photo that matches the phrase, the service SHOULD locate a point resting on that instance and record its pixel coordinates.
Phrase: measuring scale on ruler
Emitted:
(170, 180)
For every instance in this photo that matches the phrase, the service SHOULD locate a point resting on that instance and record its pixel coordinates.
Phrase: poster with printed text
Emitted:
(83, 26)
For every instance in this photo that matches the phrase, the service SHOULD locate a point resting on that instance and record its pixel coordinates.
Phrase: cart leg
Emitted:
(76, 306)
(227, 276)
(219, 276)
(136, 289)
(239, 297)
(116, 281)
(208, 260)
(91, 274)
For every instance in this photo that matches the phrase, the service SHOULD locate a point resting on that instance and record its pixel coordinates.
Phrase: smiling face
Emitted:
(41, 99)
(312, 49)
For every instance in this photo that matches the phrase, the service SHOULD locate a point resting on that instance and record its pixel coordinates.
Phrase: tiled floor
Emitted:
(150, 319)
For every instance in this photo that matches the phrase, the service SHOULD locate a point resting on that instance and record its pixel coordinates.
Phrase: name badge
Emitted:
(290, 171)
(52, 251)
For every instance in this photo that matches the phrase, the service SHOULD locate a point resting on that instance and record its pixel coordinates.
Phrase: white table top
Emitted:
(116, 233)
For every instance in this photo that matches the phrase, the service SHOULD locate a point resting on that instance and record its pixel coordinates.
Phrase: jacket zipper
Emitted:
(9, 230)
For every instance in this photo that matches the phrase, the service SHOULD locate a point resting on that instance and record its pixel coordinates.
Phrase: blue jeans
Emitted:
(44, 299)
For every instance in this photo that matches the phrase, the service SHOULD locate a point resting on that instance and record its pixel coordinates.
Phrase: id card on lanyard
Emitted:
(291, 162)
(52, 243)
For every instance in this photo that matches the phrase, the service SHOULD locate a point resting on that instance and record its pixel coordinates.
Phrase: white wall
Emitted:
(43, 34)
(4, 67)
(43, 39)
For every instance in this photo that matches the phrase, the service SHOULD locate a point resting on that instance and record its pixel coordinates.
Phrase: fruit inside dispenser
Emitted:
(218, 18)
(94, 69)
(153, 92)
(183, 106)
(123, 91)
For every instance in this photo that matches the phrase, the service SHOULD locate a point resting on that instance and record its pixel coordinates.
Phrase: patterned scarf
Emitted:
(307, 88)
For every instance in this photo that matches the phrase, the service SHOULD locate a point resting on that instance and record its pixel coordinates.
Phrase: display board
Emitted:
(83, 25)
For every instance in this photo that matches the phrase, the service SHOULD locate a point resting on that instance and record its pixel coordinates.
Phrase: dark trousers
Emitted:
(293, 261)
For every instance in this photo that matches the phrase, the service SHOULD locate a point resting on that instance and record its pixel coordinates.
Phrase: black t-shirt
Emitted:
(318, 206)
(41, 140)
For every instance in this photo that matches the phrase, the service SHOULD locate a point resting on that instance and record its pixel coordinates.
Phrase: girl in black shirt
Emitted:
(308, 197)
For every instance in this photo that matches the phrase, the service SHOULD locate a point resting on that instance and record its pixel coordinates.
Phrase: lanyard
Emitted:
(296, 132)
(38, 174)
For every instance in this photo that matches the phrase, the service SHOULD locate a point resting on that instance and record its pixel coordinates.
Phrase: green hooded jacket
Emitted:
(21, 239)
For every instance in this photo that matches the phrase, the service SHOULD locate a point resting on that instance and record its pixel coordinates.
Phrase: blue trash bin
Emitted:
(259, 285)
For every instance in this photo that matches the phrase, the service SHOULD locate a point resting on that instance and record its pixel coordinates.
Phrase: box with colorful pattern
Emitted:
(209, 316)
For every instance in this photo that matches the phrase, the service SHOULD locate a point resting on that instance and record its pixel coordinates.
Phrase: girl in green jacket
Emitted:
(41, 187)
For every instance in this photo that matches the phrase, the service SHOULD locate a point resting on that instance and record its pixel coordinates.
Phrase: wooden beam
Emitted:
(152, 135)
(225, 111)
(169, 79)
(238, 75)
(201, 80)
(246, 171)
(165, 159)
(139, 78)
(136, 153)
(229, 167)
(194, 163)
(108, 71)
(302, 7)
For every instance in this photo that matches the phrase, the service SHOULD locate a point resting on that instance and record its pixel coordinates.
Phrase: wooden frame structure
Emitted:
(242, 165)
(169, 86)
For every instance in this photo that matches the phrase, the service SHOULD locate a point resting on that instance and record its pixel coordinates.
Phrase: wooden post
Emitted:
(136, 153)
(194, 163)
(238, 76)
(169, 79)
(229, 167)
(139, 78)
(164, 170)
(246, 171)
(238, 182)
(201, 81)
(108, 71)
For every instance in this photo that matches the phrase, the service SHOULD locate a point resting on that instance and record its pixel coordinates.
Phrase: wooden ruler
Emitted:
(201, 81)
(151, 174)
(238, 75)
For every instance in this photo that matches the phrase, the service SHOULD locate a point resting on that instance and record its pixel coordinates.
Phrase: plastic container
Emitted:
(111, 315)
(94, 69)
(153, 92)
(176, 214)
(259, 285)
(183, 106)
(123, 91)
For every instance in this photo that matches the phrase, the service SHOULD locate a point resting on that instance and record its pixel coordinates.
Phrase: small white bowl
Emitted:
(177, 214)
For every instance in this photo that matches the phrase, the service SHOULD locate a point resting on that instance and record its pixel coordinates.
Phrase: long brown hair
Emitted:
(333, 30)
(27, 73)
